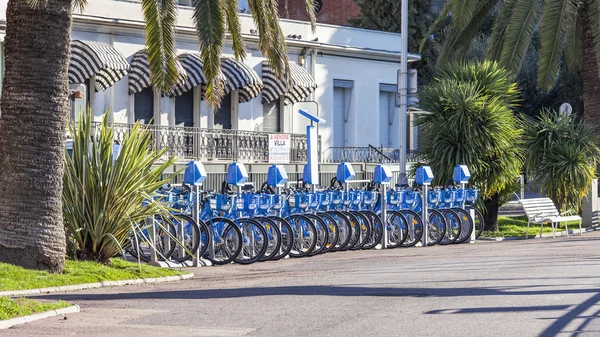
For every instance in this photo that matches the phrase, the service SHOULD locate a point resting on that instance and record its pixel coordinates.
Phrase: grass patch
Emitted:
(11, 308)
(77, 272)
(517, 226)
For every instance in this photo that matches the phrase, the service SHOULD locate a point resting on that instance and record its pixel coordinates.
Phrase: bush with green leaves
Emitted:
(562, 155)
(472, 122)
(103, 198)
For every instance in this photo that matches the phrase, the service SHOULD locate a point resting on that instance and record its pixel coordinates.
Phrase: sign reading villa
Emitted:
(279, 148)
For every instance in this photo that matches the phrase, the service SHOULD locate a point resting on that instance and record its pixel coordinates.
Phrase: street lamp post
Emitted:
(402, 85)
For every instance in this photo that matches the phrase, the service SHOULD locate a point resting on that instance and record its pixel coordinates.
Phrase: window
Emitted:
(342, 91)
(387, 111)
(1, 65)
(144, 106)
(223, 115)
(184, 109)
(271, 116)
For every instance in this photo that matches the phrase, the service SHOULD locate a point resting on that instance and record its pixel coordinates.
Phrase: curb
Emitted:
(549, 235)
(27, 319)
(102, 284)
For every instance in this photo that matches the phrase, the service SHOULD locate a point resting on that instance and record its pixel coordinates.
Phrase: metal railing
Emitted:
(212, 144)
(368, 154)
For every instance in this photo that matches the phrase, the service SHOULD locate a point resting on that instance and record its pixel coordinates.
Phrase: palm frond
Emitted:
(494, 51)
(210, 25)
(574, 40)
(436, 24)
(79, 5)
(552, 38)
(593, 10)
(310, 9)
(459, 38)
(525, 17)
(271, 39)
(160, 17)
(462, 12)
(234, 28)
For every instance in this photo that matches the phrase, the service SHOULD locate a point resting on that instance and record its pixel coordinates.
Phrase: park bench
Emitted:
(542, 210)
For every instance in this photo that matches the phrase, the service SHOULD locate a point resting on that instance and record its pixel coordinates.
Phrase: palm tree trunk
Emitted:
(34, 110)
(492, 204)
(589, 73)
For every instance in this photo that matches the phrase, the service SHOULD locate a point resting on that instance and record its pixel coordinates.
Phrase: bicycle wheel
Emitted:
(274, 236)
(466, 225)
(397, 229)
(191, 238)
(355, 227)
(478, 221)
(254, 241)
(365, 230)
(376, 229)
(334, 231)
(436, 227)
(305, 235)
(287, 237)
(226, 239)
(415, 228)
(140, 241)
(454, 226)
(322, 234)
(344, 228)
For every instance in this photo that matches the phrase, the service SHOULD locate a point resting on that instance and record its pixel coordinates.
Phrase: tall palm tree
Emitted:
(35, 104)
(569, 31)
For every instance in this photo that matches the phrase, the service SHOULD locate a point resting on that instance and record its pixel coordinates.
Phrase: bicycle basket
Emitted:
(250, 201)
(223, 202)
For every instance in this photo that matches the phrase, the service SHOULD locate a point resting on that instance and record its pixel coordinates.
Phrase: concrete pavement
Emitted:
(542, 287)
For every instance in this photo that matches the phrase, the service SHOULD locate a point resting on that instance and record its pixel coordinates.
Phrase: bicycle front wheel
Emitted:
(226, 240)
(255, 241)
(305, 235)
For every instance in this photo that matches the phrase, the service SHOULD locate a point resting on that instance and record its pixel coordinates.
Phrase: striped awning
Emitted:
(192, 64)
(89, 58)
(139, 75)
(239, 76)
(302, 84)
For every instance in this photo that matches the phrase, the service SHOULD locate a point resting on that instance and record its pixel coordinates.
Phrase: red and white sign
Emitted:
(279, 148)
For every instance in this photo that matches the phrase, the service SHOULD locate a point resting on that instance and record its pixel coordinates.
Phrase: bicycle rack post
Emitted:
(277, 177)
(424, 177)
(382, 176)
(237, 176)
(461, 175)
(152, 233)
(194, 175)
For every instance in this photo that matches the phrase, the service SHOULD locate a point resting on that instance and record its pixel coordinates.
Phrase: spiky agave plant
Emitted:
(102, 197)
(471, 123)
(562, 154)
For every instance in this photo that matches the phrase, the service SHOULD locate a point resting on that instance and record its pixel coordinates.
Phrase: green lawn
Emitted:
(11, 308)
(517, 226)
(77, 272)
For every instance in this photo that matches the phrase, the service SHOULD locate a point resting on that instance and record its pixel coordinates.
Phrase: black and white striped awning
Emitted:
(192, 64)
(302, 84)
(89, 58)
(239, 76)
(139, 75)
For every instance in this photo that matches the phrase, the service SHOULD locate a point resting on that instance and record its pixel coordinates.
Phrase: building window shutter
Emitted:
(184, 109)
(271, 116)
(223, 115)
(144, 106)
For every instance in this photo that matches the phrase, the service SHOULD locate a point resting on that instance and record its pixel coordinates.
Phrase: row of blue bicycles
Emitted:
(247, 225)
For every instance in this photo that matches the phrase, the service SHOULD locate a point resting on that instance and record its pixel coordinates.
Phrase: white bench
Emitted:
(542, 210)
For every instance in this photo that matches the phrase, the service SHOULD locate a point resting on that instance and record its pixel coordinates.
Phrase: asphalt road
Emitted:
(542, 287)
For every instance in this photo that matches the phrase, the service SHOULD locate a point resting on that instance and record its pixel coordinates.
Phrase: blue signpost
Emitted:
(311, 170)
(461, 175)
(195, 175)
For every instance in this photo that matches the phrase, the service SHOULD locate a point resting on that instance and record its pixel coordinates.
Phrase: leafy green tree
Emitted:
(562, 157)
(35, 104)
(472, 123)
(569, 31)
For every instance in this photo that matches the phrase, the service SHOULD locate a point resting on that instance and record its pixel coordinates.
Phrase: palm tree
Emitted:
(35, 103)
(472, 123)
(569, 31)
(562, 156)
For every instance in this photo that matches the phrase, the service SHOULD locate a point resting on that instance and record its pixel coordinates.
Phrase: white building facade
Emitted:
(355, 72)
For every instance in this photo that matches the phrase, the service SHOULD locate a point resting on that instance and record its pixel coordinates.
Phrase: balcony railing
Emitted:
(367, 154)
(212, 144)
